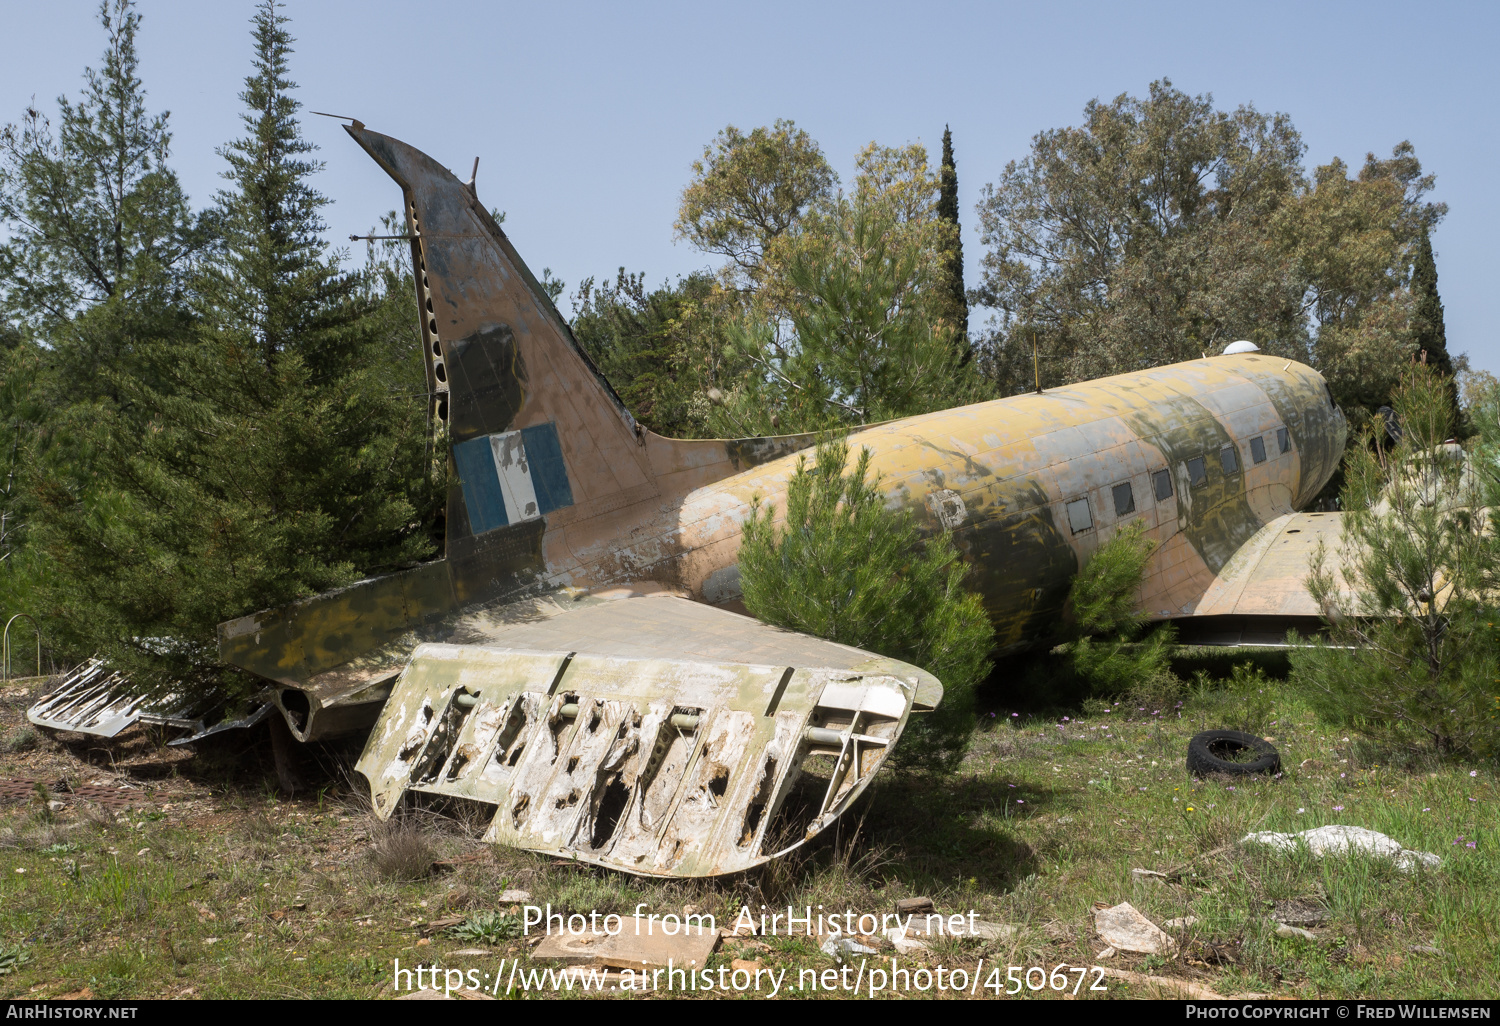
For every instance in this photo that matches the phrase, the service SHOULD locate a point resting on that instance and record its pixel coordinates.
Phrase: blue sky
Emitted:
(587, 117)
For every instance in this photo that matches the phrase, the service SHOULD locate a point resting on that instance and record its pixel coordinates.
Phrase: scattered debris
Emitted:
(640, 942)
(1148, 876)
(1179, 924)
(1426, 949)
(1125, 928)
(840, 948)
(514, 897)
(1283, 930)
(1337, 839)
(1299, 912)
(93, 699)
(1231, 752)
(914, 906)
(1108, 952)
(22, 788)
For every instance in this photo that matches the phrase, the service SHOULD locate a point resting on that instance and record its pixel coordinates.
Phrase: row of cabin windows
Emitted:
(1080, 519)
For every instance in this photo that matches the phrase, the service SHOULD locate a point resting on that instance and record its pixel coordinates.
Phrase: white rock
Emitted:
(842, 947)
(506, 897)
(1179, 924)
(1338, 839)
(1106, 953)
(1125, 928)
(1283, 930)
(1148, 876)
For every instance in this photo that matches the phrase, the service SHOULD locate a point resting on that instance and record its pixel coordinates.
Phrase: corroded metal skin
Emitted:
(561, 488)
(653, 735)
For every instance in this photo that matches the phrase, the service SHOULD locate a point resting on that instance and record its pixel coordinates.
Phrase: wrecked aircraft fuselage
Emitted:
(655, 733)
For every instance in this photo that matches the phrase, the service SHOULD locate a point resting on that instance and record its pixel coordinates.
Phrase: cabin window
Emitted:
(1124, 499)
(1162, 482)
(1258, 449)
(1230, 459)
(1283, 440)
(1078, 515)
(1197, 471)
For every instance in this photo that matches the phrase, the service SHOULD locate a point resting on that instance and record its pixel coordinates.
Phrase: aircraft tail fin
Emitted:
(533, 427)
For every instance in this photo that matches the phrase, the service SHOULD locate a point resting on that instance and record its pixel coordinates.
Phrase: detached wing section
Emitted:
(656, 736)
(1261, 593)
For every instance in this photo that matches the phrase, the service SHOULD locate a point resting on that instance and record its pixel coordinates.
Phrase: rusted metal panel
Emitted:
(93, 699)
(602, 750)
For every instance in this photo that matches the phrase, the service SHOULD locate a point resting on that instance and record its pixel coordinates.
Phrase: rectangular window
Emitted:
(1197, 471)
(1078, 515)
(1258, 449)
(1230, 458)
(1162, 481)
(1124, 499)
(1284, 440)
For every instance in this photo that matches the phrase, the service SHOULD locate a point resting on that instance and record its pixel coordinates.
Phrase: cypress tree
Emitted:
(947, 210)
(1427, 324)
(1427, 318)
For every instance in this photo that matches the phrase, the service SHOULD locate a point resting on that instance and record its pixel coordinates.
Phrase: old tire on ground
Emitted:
(1232, 752)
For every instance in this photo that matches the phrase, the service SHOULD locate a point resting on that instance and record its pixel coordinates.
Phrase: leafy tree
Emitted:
(1136, 239)
(849, 325)
(278, 455)
(1412, 655)
(1354, 241)
(947, 212)
(665, 351)
(1162, 228)
(749, 190)
(846, 568)
(1106, 648)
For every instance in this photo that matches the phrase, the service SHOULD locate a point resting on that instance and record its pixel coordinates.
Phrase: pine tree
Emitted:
(947, 210)
(848, 569)
(93, 212)
(278, 455)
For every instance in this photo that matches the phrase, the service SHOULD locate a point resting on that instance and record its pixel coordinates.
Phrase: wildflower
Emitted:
(1142, 789)
(1020, 801)
(1473, 773)
(1190, 808)
(1010, 785)
(1065, 719)
(1014, 715)
(1469, 845)
(1229, 788)
(1338, 808)
(1428, 809)
(1301, 811)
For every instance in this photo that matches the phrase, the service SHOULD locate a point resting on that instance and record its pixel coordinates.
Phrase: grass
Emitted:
(238, 893)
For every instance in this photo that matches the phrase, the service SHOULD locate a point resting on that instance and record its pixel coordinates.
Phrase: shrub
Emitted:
(848, 569)
(402, 851)
(1106, 648)
(1412, 654)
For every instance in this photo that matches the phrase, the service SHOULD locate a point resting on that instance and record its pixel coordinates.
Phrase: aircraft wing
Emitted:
(1261, 592)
